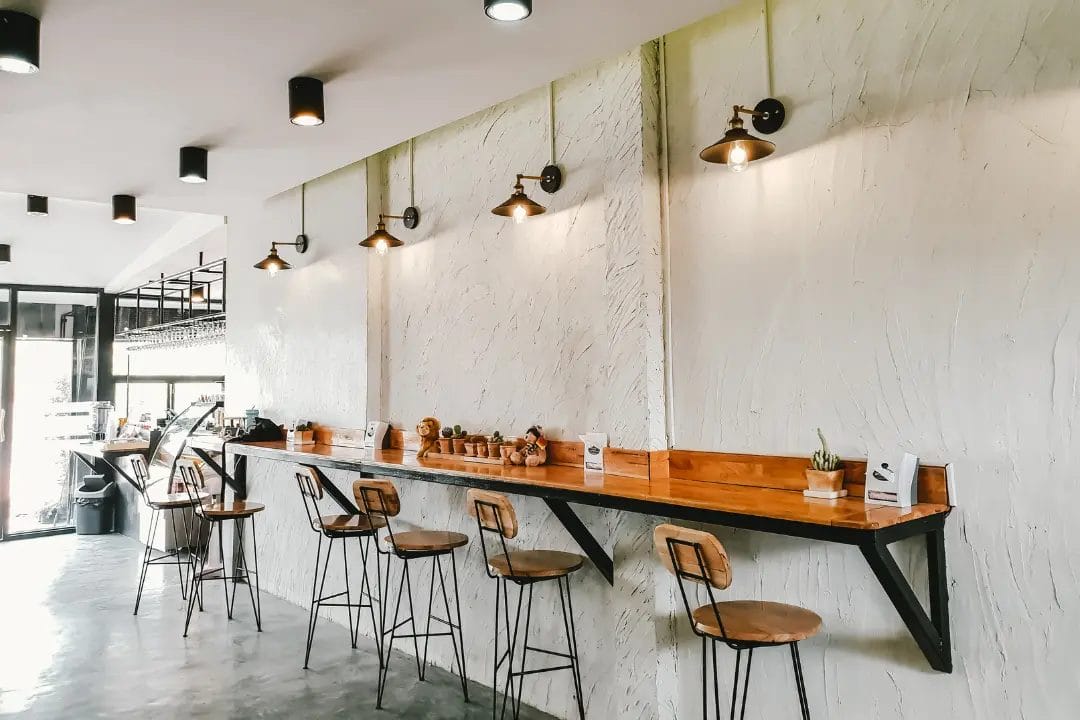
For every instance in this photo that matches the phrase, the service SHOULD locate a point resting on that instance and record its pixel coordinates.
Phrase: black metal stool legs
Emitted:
(513, 691)
(241, 572)
(319, 598)
(800, 682)
(146, 558)
(453, 627)
(170, 557)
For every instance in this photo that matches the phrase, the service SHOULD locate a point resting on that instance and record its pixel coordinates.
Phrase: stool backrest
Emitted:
(693, 555)
(192, 478)
(379, 500)
(142, 475)
(493, 512)
(696, 556)
(311, 492)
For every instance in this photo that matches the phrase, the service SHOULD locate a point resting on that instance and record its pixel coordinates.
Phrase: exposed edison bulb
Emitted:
(738, 159)
(273, 270)
(520, 214)
(381, 247)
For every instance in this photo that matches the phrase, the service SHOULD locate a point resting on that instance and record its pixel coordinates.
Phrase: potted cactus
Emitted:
(495, 444)
(459, 440)
(446, 442)
(825, 477)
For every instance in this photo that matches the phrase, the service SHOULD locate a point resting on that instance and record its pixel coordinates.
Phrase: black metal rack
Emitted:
(191, 298)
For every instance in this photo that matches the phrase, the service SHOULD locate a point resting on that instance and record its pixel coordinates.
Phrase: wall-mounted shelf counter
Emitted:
(743, 491)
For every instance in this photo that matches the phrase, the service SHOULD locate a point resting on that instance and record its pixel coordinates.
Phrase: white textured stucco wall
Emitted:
(900, 274)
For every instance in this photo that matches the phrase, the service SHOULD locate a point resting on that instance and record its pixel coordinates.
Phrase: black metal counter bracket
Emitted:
(585, 539)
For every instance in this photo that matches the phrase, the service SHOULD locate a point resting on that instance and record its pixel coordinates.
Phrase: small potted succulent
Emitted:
(470, 446)
(495, 444)
(509, 445)
(459, 440)
(824, 474)
(446, 442)
(481, 445)
(302, 433)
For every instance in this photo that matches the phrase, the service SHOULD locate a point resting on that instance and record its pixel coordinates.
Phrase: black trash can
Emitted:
(94, 506)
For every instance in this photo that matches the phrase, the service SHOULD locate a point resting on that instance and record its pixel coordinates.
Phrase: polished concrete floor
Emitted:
(70, 648)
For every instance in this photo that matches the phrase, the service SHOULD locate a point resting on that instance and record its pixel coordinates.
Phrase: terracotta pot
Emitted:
(470, 449)
(446, 446)
(459, 446)
(494, 450)
(507, 449)
(825, 481)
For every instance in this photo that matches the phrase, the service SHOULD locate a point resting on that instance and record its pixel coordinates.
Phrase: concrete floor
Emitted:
(70, 648)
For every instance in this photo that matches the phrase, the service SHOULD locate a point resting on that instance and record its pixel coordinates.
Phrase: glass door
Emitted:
(49, 381)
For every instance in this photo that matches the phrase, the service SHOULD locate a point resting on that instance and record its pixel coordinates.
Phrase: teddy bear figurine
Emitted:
(428, 430)
(534, 451)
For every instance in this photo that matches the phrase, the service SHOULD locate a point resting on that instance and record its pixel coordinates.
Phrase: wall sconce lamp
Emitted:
(519, 206)
(381, 240)
(272, 263)
(738, 148)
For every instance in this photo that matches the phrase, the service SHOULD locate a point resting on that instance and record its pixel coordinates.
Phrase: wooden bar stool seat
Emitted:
(535, 564)
(234, 510)
(757, 622)
(425, 541)
(341, 525)
(177, 500)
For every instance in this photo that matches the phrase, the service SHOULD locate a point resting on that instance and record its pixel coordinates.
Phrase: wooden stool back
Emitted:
(493, 512)
(192, 479)
(693, 555)
(377, 496)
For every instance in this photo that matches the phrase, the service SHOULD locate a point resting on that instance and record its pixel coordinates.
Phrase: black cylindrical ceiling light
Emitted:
(306, 101)
(37, 205)
(508, 10)
(20, 42)
(5, 254)
(193, 164)
(123, 209)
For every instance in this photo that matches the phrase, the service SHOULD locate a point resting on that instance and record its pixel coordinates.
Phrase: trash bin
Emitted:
(94, 502)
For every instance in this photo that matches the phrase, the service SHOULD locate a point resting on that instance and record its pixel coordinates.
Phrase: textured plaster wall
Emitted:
(898, 273)
(901, 274)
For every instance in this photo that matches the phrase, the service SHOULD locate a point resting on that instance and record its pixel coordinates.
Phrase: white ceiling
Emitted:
(125, 83)
(78, 243)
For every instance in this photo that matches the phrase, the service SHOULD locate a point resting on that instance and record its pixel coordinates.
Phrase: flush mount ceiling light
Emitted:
(20, 42)
(37, 205)
(738, 148)
(193, 164)
(508, 10)
(306, 101)
(123, 209)
(5, 254)
(520, 206)
(382, 240)
(273, 263)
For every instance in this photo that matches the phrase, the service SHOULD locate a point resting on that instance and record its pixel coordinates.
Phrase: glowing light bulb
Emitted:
(381, 247)
(273, 270)
(520, 214)
(738, 159)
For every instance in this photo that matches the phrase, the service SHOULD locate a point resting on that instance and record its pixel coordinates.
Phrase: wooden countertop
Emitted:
(715, 496)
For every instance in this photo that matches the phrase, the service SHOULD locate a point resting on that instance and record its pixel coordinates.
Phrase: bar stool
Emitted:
(699, 557)
(216, 514)
(380, 500)
(159, 503)
(495, 515)
(336, 527)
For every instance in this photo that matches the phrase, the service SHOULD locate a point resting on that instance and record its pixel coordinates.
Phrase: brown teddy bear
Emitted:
(534, 452)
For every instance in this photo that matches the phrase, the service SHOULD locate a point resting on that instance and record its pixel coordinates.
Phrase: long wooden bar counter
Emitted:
(732, 498)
